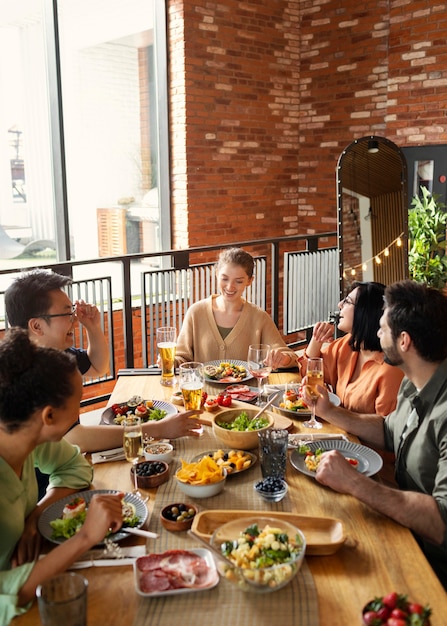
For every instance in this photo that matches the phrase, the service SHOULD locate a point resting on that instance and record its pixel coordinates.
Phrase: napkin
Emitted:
(100, 558)
(115, 454)
(299, 439)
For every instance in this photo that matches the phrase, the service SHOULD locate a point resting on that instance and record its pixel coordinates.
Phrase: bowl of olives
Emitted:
(179, 516)
(150, 474)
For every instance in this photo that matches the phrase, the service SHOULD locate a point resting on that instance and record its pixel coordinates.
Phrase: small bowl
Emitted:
(241, 440)
(262, 579)
(159, 452)
(149, 481)
(204, 490)
(377, 612)
(175, 525)
(271, 489)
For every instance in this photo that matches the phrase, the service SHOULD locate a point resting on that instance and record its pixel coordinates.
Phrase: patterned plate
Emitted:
(369, 461)
(108, 415)
(54, 511)
(225, 381)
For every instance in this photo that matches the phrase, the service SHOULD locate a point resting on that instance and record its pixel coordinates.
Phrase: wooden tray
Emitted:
(324, 535)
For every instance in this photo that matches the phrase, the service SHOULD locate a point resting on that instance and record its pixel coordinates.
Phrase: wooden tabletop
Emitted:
(378, 556)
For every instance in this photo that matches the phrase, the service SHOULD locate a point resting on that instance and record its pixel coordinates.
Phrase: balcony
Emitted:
(296, 281)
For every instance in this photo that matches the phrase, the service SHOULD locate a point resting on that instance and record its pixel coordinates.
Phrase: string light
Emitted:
(377, 257)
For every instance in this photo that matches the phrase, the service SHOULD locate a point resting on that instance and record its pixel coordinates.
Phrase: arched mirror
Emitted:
(372, 212)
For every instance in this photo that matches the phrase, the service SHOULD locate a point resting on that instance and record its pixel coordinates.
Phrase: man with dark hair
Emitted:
(36, 301)
(413, 336)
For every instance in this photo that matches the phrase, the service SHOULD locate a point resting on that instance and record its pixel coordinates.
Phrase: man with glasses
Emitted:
(36, 301)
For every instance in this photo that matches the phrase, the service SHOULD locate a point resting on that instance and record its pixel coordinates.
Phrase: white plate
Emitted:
(335, 400)
(214, 577)
(369, 461)
(108, 415)
(54, 511)
(225, 382)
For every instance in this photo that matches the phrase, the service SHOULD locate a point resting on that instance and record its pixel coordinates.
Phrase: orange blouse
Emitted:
(373, 391)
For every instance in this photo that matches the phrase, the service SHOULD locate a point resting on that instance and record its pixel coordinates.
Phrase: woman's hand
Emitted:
(105, 513)
(323, 332)
(28, 546)
(174, 426)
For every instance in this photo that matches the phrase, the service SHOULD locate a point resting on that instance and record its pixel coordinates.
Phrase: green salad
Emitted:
(243, 423)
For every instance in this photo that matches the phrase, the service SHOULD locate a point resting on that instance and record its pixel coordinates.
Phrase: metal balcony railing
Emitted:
(296, 281)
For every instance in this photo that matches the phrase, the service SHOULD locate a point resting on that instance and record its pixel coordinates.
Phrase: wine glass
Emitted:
(258, 356)
(133, 445)
(166, 337)
(314, 376)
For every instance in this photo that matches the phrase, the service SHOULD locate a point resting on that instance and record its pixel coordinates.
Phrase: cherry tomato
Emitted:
(224, 400)
(370, 618)
(204, 397)
(414, 607)
(399, 614)
(384, 613)
(394, 621)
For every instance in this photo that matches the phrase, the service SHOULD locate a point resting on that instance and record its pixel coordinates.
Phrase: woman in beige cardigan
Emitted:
(221, 327)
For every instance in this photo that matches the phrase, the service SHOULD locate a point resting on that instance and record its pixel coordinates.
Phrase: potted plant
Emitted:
(427, 221)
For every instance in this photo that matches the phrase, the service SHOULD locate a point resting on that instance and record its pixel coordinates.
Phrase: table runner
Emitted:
(294, 605)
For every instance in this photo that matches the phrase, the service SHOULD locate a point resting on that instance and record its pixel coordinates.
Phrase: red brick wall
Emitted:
(264, 96)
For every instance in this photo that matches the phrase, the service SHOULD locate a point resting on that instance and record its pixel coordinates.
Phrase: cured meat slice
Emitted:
(174, 569)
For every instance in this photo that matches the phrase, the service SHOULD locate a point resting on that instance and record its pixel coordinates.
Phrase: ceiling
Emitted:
(372, 174)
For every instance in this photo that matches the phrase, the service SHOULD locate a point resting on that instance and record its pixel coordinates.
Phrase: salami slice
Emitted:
(174, 569)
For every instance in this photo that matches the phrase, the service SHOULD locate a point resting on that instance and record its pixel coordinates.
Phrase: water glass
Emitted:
(273, 445)
(166, 338)
(63, 600)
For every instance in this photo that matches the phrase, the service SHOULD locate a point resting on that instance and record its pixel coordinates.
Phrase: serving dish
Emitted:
(150, 474)
(211, 581)
(178, 516)
(335, 400)
(159, 451)
(242, 392)
(230, 471)
(226, 381)
(369, 462)
(240, 439)
(202, 490)
(108, 414)
(54, 511)
(324, 535)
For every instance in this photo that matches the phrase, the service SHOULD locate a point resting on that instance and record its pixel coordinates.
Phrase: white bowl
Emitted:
(202, 491)
(159, 452)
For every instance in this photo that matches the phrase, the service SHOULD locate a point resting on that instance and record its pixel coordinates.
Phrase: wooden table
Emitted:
(379, 555)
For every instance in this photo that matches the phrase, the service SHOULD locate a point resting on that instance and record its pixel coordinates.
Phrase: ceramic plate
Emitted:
(369, 461)
(213, 577)
(226, 381)
(301, 413)
(54, 511)
(108, 415)
(252, 456)
(253, 393)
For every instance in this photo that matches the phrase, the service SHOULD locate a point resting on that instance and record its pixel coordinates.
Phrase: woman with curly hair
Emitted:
(40, 391)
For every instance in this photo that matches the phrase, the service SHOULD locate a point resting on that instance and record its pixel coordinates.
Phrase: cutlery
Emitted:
(263, 408)
(141, 533)
(112, 455)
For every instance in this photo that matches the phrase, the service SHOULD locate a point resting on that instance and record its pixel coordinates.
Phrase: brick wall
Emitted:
(264, 96)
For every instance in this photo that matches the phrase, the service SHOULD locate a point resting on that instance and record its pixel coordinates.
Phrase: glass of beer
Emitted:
(133, 443)
(191, 384)
(166, 338)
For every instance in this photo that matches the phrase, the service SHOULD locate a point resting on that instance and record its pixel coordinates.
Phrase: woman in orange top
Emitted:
(354, 364)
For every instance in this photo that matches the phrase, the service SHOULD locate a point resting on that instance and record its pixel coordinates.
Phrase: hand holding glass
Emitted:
(258, 357)
(314, 377)
(166, 337)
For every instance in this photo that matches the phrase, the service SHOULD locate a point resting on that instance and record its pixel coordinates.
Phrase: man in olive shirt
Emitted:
(413, 336)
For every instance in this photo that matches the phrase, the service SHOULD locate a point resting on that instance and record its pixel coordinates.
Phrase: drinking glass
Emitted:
(63, 600)
(258, 355)
(166, 337)
(191, 384)
(314, 377)
(133, 444)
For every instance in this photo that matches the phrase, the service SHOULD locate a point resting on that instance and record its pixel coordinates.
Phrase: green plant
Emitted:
(427, 221)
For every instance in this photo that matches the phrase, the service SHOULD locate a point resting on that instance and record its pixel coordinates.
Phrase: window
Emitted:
(87, 166)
